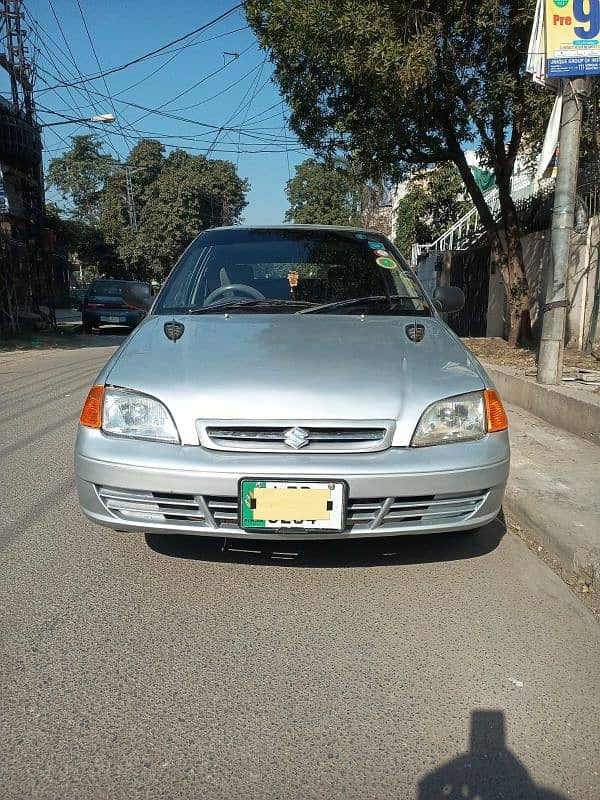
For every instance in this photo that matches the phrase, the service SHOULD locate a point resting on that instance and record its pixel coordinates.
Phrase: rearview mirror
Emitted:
(138, 296)
(448, 299)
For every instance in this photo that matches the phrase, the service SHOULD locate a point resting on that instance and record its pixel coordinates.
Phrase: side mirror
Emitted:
(448, 299)
(137, 296)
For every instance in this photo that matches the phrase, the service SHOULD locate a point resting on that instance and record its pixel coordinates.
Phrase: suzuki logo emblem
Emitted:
(296, 438)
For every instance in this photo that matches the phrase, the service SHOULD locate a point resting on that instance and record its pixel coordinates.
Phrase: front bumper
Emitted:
(132, 485)
(127, 317)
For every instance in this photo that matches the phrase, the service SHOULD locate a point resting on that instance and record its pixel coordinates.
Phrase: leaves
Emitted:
(174, 198)
(320, 194)
(79, 175)
(434, 201)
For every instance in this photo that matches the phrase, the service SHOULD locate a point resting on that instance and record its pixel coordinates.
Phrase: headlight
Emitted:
(137, 415)
(456, 419)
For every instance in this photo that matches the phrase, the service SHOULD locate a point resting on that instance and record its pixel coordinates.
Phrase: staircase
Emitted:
(468, 228)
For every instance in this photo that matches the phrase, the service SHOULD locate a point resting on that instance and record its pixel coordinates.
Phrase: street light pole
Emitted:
(550, 359)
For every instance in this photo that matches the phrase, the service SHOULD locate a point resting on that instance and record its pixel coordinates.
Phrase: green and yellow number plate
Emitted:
(304, 505)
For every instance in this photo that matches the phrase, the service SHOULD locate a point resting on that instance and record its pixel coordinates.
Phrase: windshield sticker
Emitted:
(376, 246)
(361, 235)
(386, 263)
(382, 253)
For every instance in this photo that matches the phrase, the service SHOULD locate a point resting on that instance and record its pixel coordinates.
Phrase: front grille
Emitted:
(201, 512)
(290, 437)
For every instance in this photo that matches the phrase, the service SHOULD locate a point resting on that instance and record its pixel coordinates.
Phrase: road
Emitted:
(455, 666)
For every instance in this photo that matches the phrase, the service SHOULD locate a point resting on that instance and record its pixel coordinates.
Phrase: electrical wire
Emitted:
(178, 52)
(68, 56)
(231, 117)
(91, 41)
(121, 67)
(195, 85)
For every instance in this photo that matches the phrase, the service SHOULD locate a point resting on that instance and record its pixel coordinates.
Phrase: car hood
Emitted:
(295, 367)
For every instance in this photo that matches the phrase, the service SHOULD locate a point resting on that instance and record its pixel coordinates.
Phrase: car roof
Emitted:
(289, 226)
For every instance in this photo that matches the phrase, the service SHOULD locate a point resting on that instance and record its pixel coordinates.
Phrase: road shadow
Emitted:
(488, 771)
(399, 550)
(113, 335)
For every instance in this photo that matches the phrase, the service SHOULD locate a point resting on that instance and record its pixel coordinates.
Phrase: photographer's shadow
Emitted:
(488, 771)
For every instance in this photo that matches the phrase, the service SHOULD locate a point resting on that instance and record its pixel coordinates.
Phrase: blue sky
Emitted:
(248, 101)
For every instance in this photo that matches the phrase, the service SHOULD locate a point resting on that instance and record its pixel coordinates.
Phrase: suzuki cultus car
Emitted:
(292, 383)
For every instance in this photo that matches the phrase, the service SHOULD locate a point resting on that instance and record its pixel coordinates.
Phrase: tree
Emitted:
(84, 245)
(398, 84)
(79, 175)
(433, 202)
(321, 194)
(175, 198)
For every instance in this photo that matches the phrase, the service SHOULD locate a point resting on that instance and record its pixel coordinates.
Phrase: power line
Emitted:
(121, 67)
(165, 114)
(232, 116)
(178, 52)
(70, 57)
(195, 85)
(91, 41)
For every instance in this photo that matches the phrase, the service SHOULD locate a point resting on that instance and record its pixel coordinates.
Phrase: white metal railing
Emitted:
(469, 222)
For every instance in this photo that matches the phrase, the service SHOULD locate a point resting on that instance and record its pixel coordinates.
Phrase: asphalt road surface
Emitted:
(131, 667)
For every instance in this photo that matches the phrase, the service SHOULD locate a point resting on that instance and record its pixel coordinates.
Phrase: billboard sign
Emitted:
(572, 38)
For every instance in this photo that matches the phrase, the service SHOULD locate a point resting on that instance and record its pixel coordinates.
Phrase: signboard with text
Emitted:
(572, 38)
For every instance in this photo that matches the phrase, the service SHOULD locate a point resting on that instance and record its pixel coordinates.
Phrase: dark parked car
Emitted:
(104, 305)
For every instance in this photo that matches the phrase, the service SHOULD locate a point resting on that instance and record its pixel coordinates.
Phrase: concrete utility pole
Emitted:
(550, 360)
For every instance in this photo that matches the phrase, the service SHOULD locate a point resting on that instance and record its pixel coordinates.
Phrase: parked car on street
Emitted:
(292, 382)
(104, 304)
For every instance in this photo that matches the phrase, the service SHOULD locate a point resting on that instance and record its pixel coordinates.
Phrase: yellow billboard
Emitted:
(572, 38)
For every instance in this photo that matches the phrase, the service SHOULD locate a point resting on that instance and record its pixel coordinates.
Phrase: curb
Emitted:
(572, 409)
(582, 562)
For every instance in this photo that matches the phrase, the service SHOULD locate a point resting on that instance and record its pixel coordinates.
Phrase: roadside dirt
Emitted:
(497, 351)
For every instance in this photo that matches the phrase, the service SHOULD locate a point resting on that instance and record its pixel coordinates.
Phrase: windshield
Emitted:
(113, 288)
(284, 271)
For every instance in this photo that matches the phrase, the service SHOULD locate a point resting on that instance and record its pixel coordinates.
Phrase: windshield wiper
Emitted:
(254, 302)
(357, 301)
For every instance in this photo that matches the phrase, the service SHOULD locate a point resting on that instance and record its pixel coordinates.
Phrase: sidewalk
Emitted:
(573, 407)
(554, 486)
(554, 491)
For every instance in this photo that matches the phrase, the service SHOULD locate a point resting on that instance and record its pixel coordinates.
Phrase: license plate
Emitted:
(111, 318)
(304, 505)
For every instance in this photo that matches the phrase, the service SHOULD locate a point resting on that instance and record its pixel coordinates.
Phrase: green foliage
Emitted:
(322, 194)
(433, 202)
(175, 198)
(83, 244)
(79, 175)
(408, 83)
(399, 83)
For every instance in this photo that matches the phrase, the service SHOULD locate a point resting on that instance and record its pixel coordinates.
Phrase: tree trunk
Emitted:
(514, 275)
(506, 256)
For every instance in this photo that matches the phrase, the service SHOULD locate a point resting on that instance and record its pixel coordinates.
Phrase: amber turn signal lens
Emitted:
(494, 411)
(91, 416)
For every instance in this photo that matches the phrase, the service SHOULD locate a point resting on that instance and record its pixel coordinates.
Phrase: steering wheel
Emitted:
(234, 287)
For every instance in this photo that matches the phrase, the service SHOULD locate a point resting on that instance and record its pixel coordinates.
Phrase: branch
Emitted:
(475, 192)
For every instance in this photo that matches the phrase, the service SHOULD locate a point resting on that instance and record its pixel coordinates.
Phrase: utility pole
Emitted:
(14, 58)
(550, 360)
(130, 198)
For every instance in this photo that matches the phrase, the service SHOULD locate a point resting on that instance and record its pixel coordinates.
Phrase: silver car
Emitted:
(293, 382)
